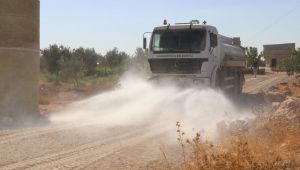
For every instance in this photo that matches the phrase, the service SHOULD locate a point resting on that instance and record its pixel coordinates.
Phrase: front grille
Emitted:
(177, 66)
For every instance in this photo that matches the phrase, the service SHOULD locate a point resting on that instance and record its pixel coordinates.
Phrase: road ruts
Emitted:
(263, 82)
(82, 156)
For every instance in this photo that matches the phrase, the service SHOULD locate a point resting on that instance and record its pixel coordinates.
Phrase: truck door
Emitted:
(214, 53)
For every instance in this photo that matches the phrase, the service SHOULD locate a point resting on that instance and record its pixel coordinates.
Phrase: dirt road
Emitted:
(90, 146)
(263, 82)
(80, 147)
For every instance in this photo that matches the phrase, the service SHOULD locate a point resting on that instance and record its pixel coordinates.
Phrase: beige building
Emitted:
(275, 53)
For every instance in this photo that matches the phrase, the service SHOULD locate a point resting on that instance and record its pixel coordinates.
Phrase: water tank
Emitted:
(230, 50)
(19, 60)
(233, 56)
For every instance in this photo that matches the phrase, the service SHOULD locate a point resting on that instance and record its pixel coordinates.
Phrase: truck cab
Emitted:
(191, 51)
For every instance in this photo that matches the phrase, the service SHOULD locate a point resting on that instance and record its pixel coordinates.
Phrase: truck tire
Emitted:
(219, 79)
(239, 82)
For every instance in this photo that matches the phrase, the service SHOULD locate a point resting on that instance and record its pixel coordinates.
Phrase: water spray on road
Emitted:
(137, 101)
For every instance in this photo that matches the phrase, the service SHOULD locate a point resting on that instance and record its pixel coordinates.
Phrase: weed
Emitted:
(43, 100)
(167, 163)
(243, 151)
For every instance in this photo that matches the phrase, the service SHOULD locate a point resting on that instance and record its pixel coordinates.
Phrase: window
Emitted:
(213, 40)
(178, 41)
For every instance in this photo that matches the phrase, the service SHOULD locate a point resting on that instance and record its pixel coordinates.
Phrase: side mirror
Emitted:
(213, 40)
(144, 43)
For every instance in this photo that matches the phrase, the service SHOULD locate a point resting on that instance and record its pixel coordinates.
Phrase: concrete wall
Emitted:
(19, 59)
(277, 52)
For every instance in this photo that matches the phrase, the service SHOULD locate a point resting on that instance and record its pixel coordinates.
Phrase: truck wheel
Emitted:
(219, 80)
(239, 83)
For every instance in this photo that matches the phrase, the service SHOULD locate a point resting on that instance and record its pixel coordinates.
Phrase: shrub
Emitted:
(234, 152)
(52, 78)
(104, 71)
(291, 64)
(71, 69)
(115, 58)
(52, 56)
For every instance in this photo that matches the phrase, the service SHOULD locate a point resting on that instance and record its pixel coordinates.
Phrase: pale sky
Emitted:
(104, 24)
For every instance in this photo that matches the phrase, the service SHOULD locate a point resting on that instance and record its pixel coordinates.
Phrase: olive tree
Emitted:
(291, 64)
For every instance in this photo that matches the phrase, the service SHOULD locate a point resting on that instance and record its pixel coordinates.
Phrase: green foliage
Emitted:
(114, 58)
(104, 71)
(252, 56)
(52, 56)
(71, 69)
(291, 64)
(64, 64)
(52, 77)
(89, 58)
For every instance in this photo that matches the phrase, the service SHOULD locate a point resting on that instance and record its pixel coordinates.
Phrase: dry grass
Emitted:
(43, 100)
(292, 88)
(268, 142)
(56, 95)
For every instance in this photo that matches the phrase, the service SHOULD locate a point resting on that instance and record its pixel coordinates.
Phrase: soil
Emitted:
(91, 146)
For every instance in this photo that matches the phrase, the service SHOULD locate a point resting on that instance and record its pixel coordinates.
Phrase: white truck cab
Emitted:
(195, 52)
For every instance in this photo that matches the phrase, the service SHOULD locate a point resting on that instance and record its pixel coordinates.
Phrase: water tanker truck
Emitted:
(196, 53)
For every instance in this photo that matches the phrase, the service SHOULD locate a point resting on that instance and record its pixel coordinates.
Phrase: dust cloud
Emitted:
(137, 101)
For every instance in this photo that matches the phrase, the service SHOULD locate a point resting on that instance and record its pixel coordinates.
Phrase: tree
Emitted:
(89, 58)
(52, 55)
(61, 62)
(252, 56)
(140, 60)
(115, 58)
(51, 58)
(65, 52)
(71, 69)
(291, 64)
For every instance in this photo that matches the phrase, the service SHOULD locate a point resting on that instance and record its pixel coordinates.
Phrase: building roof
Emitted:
(280, 46)
(278, 50)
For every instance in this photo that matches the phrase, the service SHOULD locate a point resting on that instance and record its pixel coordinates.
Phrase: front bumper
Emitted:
(181, 80)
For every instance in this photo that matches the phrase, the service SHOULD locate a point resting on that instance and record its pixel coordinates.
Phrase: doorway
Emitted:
(274, 63)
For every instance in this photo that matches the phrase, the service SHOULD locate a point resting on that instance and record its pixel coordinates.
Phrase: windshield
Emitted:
(178, 41)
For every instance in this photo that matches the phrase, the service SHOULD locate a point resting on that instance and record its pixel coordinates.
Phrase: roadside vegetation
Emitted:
(69, 74)
(61, 64)
(252, 57)
(269, 141)
(291, 64)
